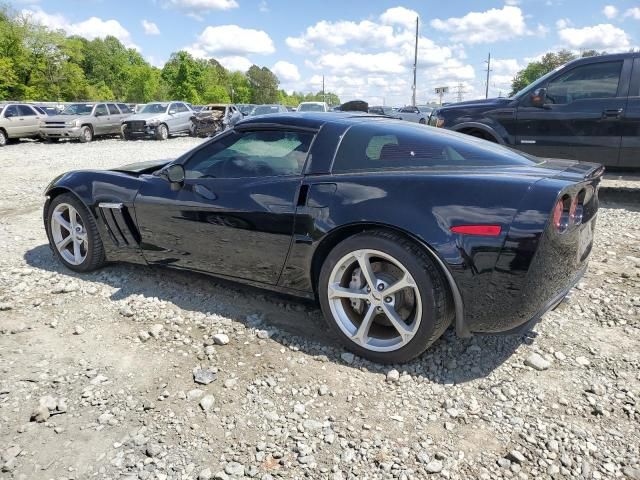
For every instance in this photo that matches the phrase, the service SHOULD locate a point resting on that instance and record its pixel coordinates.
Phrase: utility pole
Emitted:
(415, 66)
(324, 97)
(486, 95)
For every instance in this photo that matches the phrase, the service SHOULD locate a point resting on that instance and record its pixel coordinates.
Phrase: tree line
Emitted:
(40, 64)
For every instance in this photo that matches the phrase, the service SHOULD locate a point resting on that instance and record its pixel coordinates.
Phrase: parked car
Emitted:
(18, 120)
(313, 107)
(587, 110)
(158, 120)
(419, 113)
(83, 122)
(265, 109)
(352, 106)
(213, 119)
(126, 108)
(245, 108)
(381, 110)
(356, 211)
(291, 109)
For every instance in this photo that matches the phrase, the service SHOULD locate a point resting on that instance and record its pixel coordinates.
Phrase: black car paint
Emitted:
(605, 131)
(275, 232)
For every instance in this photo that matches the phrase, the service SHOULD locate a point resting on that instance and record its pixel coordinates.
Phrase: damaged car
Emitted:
(215, 118)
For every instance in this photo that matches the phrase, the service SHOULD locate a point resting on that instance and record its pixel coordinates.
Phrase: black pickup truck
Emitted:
(587, 109)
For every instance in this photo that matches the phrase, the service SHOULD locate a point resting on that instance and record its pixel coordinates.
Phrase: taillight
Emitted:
(577, 209)
(561, 214)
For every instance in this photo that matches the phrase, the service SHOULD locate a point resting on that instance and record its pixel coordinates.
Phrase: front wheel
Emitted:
(3, 138)
(73, 234)
(86, 134)
(162, 132)
(422, 121)
(384, 297)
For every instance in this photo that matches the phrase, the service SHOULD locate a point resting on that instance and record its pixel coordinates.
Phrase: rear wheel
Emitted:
(73, 234)
(422, 121)
(86, 134)
(384, 297)
(162, 132)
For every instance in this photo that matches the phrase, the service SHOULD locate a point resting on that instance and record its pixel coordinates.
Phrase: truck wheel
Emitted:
(422, 121)
(3, 138)
(162, 132)
(384, 297)
(86, 134)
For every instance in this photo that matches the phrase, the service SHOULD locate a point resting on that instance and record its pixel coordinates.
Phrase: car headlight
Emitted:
(73, 123)
(154, 122)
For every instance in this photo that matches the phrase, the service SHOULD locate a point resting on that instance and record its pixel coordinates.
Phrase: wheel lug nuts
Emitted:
(387, 299)
(381, 287)
(379, 309)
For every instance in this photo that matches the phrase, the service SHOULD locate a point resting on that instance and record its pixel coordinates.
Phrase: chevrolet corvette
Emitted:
(398, 230)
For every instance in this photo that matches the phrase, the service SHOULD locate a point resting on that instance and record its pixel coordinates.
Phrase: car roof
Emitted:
(310, 119)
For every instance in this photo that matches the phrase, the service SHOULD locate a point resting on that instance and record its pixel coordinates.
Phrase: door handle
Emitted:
(204, 192)
(612, 113)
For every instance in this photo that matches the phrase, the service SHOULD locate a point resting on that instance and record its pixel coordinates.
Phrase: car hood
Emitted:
(142, 167)
(485, 102)
(145, 116)
(63, 118)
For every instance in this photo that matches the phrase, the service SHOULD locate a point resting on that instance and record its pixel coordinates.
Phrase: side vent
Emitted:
(119, 224)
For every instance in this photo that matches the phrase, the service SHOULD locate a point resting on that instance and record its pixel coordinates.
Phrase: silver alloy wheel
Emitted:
(164, 133)
(86, 133)
(3, 139)
(69, 234)
(374, 300)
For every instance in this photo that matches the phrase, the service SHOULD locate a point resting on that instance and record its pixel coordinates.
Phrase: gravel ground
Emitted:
(141, 373)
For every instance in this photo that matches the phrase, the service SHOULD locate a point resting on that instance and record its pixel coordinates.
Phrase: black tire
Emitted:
(4, 140)
(95, 257)
(86, 134)
(52, 140)
(162, 132)
(422, 121)
(437, 308)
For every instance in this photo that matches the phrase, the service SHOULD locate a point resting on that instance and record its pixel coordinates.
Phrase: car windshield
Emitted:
(310, 107)
(155, 108)
(78, 109)
(264, 109)
(245, 109)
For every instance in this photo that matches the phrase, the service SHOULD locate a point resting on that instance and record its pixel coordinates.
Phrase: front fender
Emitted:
(496, 131)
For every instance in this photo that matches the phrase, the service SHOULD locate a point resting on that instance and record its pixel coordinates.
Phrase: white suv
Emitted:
(313, 107)
(18, 120)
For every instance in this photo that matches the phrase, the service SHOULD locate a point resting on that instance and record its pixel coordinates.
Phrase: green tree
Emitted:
(183, 75)
(264, 84)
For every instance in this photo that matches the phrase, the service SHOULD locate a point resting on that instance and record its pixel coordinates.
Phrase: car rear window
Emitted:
(388, 146)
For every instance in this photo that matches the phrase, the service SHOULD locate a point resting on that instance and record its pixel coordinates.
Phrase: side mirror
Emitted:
(175, 173)
(172, 112)
(538, 97)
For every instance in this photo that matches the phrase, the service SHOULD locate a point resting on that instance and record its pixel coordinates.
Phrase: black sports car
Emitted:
(399, 230)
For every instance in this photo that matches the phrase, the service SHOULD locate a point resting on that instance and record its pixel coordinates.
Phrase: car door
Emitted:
(101, 119)
(581, 116)
(114, 118)
(185, 114)
(173, 120)
(31, 122)
(234, 213)
(630, 145)
(13, 122)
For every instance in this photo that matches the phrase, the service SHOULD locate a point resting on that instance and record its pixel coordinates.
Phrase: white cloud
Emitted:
(232, 40)
(195, 7)
(263, 6)
(354, 62)
(484, 27)
(150, 28)
(286, 72)
(235, 63)
(336, 34)
(563, 23)
(599, 37)
(610, 11)
(90, 29)
(633, 13)
(399, 16)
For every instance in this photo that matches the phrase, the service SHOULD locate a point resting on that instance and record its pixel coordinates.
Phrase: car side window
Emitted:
(173, 108)
(595, 80)
(11, 111)
(113, 110)
(264, 153)
(181, 107)
(101, 110)
(26, 111)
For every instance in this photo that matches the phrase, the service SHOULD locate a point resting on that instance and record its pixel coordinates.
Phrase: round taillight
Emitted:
(561, 216)
(577, 210)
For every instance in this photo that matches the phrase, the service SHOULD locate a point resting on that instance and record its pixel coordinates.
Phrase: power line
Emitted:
(459, 91)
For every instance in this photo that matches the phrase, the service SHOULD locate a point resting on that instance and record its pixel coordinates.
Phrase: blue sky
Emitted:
(363, 48)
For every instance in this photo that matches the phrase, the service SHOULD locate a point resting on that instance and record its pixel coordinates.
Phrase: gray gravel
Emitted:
(139, 373)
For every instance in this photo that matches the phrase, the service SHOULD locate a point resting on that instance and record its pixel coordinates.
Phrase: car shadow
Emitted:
(291, 321)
